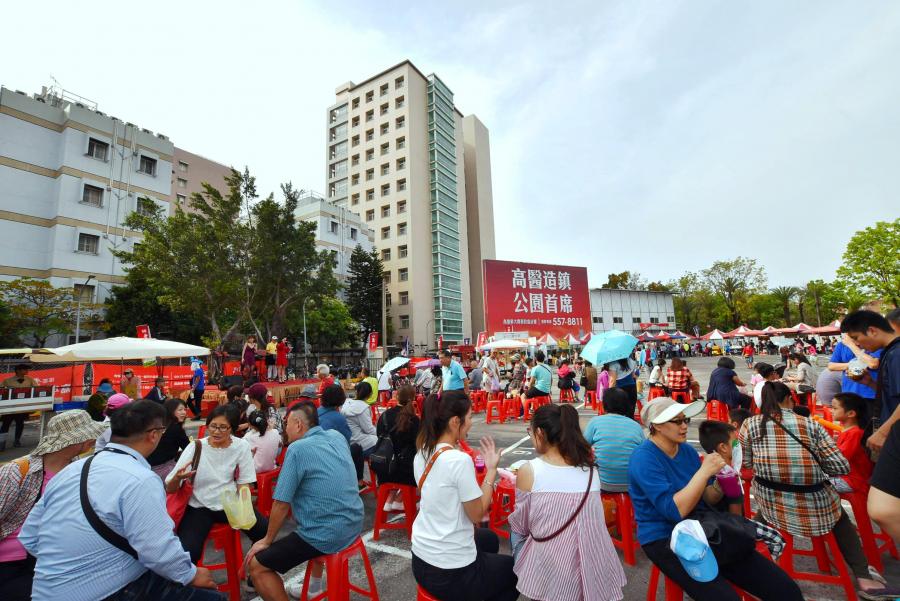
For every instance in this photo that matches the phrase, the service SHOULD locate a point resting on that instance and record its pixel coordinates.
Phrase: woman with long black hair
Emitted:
(401, 425)
(451, 559)
(621, 375)
(173, 441)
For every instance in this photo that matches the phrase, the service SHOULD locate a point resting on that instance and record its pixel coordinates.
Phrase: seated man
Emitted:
(614, 435)
(318, 482)
(118, 543)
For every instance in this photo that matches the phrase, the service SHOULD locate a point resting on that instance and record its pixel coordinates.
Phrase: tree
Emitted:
(627, 280)
(872, 260)
(38, 310)
(733, 281)
(814, 291)
(687, 307)
(365, 282)
(8, 336)
(784, 295)
(763, 310)
(658, 287)
(328, 324)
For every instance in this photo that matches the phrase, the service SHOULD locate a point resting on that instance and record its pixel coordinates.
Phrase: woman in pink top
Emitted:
(567, 554)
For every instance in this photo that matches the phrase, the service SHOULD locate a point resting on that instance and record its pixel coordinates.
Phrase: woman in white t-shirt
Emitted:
(264, 441)
(451, 559)
(226, 463)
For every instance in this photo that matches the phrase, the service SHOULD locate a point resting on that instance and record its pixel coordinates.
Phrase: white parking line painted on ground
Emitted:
(515, 446)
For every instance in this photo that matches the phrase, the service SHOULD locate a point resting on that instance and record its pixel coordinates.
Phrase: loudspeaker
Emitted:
(228, 381)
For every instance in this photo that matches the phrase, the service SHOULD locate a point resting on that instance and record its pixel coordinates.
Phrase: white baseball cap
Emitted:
(663, 409)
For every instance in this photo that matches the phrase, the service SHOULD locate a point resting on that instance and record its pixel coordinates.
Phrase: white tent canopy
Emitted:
(503, 345)
(118, 349)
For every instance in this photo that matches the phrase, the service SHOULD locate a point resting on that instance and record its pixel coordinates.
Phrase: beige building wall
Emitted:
(190, 171)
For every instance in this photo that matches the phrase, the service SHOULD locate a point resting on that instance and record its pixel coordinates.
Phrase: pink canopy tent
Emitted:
(646, 337)
(662, 337)
(743, 331)
(547, 339)
(831, 329)
(714, 335)
(572, 340)
(586, 338)
(680, 334)
(800, 328)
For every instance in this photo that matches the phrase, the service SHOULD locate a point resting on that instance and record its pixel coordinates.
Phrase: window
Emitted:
(385, 148)
(370, 174)
(398, 83)
(401, 206)
(401, 164)
(370, 115)
(597, 319)
(333, 227)
(404, 298)
(354, 160)
(400, 121)
(617, 320)
(654, 320)
(402, 252)
(404, 322)
(401, 185)
(354, 179)
(182, 183)
(84, 293)
(370, 154)
(370, 215)
(635, 320)
(385, 233)
(385, 89)
(403, 274)
(385, 128)
(401, 142)
(92, 195)
(354, 199)
(370, 96)
(88, 243)
(387, 299)
(384, 108)
(147, 166)
(355, 121)
(355, 103)
(385, 168)
(401, 229)
(385, 189)
(181, 198)
(354, 141)
(370, 135)
(182, 167)
(386, 254)
(386, 211)
(671, 319)
(370, 194)
(398, 104)
(146, 207)
(387, 277)
(97, 149)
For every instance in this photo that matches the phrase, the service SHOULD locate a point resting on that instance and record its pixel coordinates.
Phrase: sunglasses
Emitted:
(679, 421)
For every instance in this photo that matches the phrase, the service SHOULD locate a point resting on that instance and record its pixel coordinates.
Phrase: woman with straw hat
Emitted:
(22, 482)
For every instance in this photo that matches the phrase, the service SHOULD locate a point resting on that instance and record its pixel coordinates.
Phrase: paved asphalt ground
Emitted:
(390, 556)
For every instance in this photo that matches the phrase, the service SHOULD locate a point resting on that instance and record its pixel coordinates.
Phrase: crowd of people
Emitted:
(107, 525)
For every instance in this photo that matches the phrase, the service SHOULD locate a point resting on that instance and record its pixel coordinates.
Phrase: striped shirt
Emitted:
(74, 563)
(614, 437)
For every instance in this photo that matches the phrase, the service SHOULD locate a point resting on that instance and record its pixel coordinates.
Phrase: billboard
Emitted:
(537, 298)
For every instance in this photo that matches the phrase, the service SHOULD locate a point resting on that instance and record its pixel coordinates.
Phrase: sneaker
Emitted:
(248, 586)
(316, 587)
(873, 573)
(397, 506)
(388, 506)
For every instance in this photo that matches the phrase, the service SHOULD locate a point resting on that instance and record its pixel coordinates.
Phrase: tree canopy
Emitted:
(37, 310)
(872, 261)
(364, 289)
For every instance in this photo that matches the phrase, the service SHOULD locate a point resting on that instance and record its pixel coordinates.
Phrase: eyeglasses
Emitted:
(218, 428)
(160, 429)
(679, 421)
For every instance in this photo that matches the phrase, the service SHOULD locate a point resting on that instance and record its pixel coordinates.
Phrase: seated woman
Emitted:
(668, 482)
(331, 418)
(791, 458)
(803, 379)
(451, 559)
(401, 424)
(723, 385)
(657, 379)
(359, 419)
(679, 378)
(614, 436)
(265, 443)
(225, 464)
(259, 399)
(566, 553)
(173, 441)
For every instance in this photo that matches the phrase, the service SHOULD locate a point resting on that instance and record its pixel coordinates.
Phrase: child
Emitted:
(851, 411)
(737, 416)
(719, 437)
(265, 442)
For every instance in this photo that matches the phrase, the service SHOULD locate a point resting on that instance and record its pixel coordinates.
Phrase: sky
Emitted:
(648, 136)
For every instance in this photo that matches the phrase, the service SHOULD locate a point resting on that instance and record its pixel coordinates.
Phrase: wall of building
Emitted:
(350, 231)
(627, 309)
(190, 171)
(479, 212)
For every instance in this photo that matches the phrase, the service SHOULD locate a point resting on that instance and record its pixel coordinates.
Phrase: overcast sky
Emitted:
(651, 136)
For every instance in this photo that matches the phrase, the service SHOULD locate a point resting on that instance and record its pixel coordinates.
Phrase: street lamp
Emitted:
(78, 316)
(305, 346)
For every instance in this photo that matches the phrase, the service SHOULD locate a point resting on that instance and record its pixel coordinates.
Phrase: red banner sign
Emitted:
(373, 341)
(177, 376)
(143, 331)
(537, 298)
(482, 339)
(647, 326)
(61, 377)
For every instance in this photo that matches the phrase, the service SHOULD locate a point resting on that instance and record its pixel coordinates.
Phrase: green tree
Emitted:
(785, 295)
(627, 280)
(328, 324)
(8, 336)
(814, 291)
(763, 310)
(365, 282)
(687, 306)
(733, 281)
(38, 310)
(872, 261)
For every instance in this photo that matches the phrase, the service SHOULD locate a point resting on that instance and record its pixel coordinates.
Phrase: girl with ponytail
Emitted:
(566, 552)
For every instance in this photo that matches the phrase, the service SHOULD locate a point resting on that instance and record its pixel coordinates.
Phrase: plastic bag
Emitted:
(239, 508)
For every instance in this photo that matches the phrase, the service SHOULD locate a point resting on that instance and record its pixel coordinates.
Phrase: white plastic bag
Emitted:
(239, 508)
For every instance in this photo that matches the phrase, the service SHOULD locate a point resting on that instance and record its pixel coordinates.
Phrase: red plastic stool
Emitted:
(717, 410)
(681, 396)
(371, 483)
(423, 595)
(673, 592)
(747, 478)
(408, 493)
(201, 431)
(227, 539)
(566, 396)
(870, 539)
(498, 405)
(590, 399)
(479, 401)
(531, 406)
(265, 488)
(512, 408)
(843, 578)
(373, 409)
(545, 400)
(504, 503)
(338, 585)
(625, 524)
(655, 391)
(383, 397)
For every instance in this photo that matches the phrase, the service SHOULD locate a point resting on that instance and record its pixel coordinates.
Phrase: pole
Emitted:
(78, 316)
(384, 340)
(305, 346)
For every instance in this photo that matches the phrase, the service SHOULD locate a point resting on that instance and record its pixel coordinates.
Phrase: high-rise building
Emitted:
(403, 157)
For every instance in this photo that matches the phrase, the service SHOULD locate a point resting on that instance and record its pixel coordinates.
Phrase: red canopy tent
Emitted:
(743, 331)
(769, 331)
(714, 335)
(831, 329)
(646, 337)
(586, 338)
(800, 328)
(662, 337)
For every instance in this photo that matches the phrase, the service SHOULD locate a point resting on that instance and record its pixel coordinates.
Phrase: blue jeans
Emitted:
(153, 586)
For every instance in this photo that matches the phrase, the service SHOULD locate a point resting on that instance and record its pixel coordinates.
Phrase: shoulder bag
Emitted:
(176, 502)
(430, 465)
(381, 459)
(105, 532)
(543, 539)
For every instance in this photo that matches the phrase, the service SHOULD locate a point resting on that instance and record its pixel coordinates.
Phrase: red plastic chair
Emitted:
(265, 488)
(843, 578)
(500, 413)
(373, 409)
(747, 478)
(673, 592)
(590, 399)
(371, 483)
(874, 543)
(504, 503)
(384, 397)
(227, 539)
(479, 400)
(423, 595)
(201, 431)
(625, 524)
(409, 495)
(512, 407)
(717, 410)
(681, 396)
(338, 585)
(655, 391)
(566, 395)
(531, 406)
(544, 400)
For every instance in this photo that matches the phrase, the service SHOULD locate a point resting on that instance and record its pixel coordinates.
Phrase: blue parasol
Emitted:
(609, 346)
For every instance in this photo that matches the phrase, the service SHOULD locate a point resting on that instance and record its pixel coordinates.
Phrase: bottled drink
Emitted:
(479, 464)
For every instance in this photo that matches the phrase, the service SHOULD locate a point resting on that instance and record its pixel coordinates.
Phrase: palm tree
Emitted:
(784, 295)
(814, 290)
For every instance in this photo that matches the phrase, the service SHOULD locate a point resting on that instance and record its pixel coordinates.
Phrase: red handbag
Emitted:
(176, 502)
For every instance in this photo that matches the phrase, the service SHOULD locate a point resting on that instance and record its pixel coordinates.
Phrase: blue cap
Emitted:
(696, 557)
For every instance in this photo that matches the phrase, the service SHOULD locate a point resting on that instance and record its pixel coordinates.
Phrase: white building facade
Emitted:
(632, 311)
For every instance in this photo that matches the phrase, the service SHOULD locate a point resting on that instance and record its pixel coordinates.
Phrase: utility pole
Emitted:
(78, 316)
(384, 339)
(305, 345)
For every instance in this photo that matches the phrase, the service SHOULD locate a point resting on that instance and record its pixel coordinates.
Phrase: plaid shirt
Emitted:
(779, 458)
(18, 495)
(679, 379)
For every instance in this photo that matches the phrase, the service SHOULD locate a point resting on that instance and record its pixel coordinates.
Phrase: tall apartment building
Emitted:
(338, 230)
(401, 155)
(190, 171)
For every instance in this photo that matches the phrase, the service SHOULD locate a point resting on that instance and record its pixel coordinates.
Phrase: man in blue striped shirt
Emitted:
(614, 436)
(318, 482)
(76, 563)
